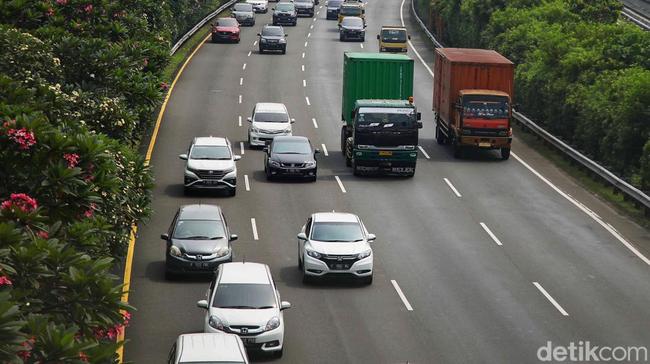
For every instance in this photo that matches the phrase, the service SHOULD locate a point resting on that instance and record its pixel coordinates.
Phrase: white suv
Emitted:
(335, 243)
(210, 165)
(268, 121)
(243, 300)
(208, 348)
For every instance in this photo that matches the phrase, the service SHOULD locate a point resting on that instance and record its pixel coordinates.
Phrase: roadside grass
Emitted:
(583, 178)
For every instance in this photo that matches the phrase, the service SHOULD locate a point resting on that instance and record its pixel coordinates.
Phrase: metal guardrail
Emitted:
(199, 25)
(639, 196)
(636, 17)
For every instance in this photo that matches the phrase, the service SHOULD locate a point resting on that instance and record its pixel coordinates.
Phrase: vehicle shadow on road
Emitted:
(155, 272)
(260, 176)
(176, 190)
(292, 277)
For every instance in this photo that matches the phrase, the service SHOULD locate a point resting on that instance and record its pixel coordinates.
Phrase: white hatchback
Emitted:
(268, 121)
(208, 348)
(243, 300)
(335, 243)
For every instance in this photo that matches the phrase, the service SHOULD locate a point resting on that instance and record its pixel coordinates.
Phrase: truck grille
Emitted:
(485, 132)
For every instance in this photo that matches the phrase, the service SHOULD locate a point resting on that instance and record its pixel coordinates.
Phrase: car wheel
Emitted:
(269, 176)
(300, 264)
(261, 52)
(232, 191)
(367, 280)
(313, 179)
(355, 170)
(440, 138)
(284, 50)
(278, 354)
(505, 153)
(363, 39)
(458, 150)
(295, 22)
(186, 190)
(341, 38)
(306, 279)
(169, 276)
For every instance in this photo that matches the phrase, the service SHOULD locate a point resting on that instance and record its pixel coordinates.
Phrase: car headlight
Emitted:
(282, 41)
(221, 251)
(273, 324)
(229, 170)
(175, 251)
(312, 253)
(216, 322)
(274, 163)
(310, 164)
(365, 254)
(254, 129)
(263, 40)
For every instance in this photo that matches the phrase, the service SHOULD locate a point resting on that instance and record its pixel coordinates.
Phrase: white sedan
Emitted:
(259, 6)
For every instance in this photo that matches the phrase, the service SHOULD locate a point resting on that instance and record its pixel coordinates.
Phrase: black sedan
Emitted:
(290, 156)
(352, 27)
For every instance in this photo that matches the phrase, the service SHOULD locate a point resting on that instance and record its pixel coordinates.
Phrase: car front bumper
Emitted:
(246, 21)
(267, 341)
(301, 172)
(277, 46)
(183, 265)
(351, 34)
(224, 36)
(318, 268)
(285, 19)
(260, 8)
(305, 11)
(259, 139)
(192, 180)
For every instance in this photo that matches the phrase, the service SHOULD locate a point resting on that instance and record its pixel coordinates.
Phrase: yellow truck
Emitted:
(351, 9)
(393, 39)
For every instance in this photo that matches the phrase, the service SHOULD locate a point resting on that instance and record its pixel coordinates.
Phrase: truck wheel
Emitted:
(348, 161)
(505, 153)
(440, 137)
(458, 150)
(344, 137)
(355, 170)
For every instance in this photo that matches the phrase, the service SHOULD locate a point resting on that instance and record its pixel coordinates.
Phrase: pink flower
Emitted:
(127, 318)
(83, 357)
(43, 235)
(50, 12)
(5, 281)
(88, 8)
(91, 211)
(72, 158)
(164, 86)
(20, 201)
(9, 124)
(23, 137)
(62, 2)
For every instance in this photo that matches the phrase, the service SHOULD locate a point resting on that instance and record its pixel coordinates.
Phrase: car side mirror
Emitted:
(236, 157)
(353, 114)
(273, 8)
(420, 125)
(259, 35)
(316, 151)
(202, 304)
(409, 37)
(286, 35)
(233, 237)
(302, 236)
(164, 237)
(266, 150)
(250, 119)
(371, 237)
(377, 36)
(419, 116)
(284, 305)
(183, 156)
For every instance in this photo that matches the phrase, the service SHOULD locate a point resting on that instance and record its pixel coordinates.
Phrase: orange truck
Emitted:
(472, 99)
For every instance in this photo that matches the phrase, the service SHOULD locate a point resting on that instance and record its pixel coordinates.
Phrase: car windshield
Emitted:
(199, 230)
(284, 7)
(243, 7)
(210, 152)
(272, 31)
(291, 147)
(271, 117)
(227, 22)
(244, 296)
(350, 10)
(352, 22)
(369, 117)
(393, 35)
(334, 4)
(301, 1)
(496, 108)
(337, 232)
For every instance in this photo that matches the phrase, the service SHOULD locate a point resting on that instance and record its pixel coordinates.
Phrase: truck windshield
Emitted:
(385, 117)
(485, 108)
(393, 35)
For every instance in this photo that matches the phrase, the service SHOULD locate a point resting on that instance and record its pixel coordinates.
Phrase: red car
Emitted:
(225, 30)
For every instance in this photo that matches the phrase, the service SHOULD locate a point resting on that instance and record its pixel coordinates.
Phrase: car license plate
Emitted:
(484, 145)
(385, 153)
(293, 170)
(248, 340)
(208, 182)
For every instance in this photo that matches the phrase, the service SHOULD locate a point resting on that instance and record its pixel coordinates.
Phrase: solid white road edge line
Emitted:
(487, 230)
(551, 299)
(401, 295)
(254, 225)
(423, 152)
(325, 150)
(246, 183)
(578, 204)
(448, 182)
(338, 180)
(401, 17)
(241, 147)
(307, 99)
(315, 124)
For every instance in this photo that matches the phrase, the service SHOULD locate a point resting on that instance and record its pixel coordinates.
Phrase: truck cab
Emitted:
(393, 39)
(351, 9)
(383, 137)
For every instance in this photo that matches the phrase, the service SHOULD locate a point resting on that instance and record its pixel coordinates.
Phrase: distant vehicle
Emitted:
(198, 240)
(225, 30)
(472, 99)
(208, 348)
(304, 7)
(351, 9)
(333, 7)
(352, 27)
(285, 13)
(291, 156)
(393, 39)
(259, 6)
(244, 13)
(272, 38)
(210, 165)
(335, 243)
(380, 130)
(243, 299)
(268, 121)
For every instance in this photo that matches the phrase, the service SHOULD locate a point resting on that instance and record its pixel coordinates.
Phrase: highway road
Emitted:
(492, 261)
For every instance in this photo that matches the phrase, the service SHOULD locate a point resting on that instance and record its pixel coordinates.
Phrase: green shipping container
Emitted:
(375, 76)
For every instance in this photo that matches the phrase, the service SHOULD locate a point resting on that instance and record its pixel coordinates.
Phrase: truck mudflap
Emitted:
(394, 162)
(485, 142)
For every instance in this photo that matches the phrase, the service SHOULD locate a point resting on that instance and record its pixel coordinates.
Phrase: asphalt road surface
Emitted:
(492, 260)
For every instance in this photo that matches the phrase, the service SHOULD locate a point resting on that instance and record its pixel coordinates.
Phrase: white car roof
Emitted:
(334, 217)
(244, 272)
(210, 347)
(270, 107)
(216, 141)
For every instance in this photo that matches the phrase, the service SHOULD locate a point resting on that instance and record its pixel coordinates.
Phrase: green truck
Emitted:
(380, 122)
